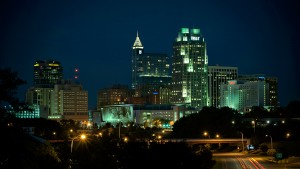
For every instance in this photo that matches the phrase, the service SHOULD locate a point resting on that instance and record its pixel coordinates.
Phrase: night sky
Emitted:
(257, 36)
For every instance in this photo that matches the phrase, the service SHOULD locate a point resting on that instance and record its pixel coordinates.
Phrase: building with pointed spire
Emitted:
(150, 71)
(137, 52)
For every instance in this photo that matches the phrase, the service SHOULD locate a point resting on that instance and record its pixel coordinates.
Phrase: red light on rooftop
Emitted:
(232, 82)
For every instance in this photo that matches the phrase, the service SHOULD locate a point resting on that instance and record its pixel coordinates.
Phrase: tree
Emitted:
(208, 118)
(292, 109)
(9, 83)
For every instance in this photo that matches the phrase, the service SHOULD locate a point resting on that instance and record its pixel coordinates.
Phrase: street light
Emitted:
(218, 136)
(206, 134)
(125, 139)
(120, 129)
(254, 125)
(82, 137)
(242, 140)
(159, 137)
(271, 141)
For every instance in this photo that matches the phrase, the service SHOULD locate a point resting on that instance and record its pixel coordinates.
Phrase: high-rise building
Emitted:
(47, 73)
(150, 71)
(190, 69)
(218, 75)
(273, 86)
(242, 95)
(69, 101)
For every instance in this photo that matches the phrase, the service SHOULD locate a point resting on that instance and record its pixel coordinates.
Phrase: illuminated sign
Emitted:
(232, 82)
(195, 38)
(53, 64)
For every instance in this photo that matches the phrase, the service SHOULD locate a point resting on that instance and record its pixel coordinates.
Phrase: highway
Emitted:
(246, 161)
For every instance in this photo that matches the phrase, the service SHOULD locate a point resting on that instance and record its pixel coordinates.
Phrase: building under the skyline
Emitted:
(273, 86)
(150, 71)
(115, 95)
(243, 95)
(69, 101)
(47, 73)
(190, 69)
(218, 75)
(40, 99)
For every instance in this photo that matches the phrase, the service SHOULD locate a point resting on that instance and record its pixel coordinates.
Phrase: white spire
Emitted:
(137, 42)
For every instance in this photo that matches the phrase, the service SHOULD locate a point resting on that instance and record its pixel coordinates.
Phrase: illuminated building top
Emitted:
(149, 70)
(190, 69)
(47, 73)
(137, 43)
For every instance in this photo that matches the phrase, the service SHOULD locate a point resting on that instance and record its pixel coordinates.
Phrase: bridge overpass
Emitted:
(191, 141)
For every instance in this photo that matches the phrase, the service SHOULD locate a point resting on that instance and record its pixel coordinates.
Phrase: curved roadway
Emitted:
(246, 161)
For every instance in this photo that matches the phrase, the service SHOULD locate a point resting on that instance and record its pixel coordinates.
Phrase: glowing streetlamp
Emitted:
(81, 137)
(89, 125)
(206, 134)
(254, 125)
(125, 139)
(120, 129)
(159, 137)
(271, 141)
(242, 140)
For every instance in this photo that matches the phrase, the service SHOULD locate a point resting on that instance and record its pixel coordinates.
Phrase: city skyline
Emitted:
(97, 38)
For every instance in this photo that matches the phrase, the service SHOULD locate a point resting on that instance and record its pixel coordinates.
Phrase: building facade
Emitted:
(162, 116)
(150, 71)
(40, 99)
(115, 95)
(273, 100)
(242, 95)
(190, 69)
(47, 73)
(69, 101)
(218, 75)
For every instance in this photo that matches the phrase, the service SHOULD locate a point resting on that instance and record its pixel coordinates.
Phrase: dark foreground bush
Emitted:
(133, 155)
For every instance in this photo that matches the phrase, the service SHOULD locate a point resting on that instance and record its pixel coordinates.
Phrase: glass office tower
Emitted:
(190, 69)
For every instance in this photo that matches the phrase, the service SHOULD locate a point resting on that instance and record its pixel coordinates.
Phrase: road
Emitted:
(246, 161)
